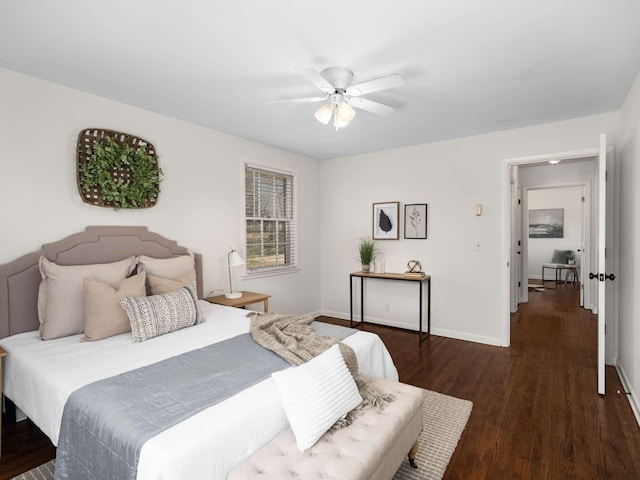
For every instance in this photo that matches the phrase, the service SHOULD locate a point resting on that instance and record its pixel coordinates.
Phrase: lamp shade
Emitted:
(345, 112)
(233, 260)
(323, 114)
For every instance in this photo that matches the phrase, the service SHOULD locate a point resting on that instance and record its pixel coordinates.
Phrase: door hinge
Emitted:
(519, 243)
(519, 202)
(582, 199)
(518, 284)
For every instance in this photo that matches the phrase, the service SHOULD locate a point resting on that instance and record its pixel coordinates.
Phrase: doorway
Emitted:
(605, 204)
(513, 224)
(571, 203)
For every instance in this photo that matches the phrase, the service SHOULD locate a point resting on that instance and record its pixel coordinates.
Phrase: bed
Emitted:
(41, 375)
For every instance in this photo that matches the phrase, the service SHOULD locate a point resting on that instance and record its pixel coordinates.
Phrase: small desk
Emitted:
(247, 298)
(3, 354)
(391, 276)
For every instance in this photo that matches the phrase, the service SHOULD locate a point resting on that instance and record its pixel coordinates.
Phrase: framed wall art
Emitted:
(415, 220)
(385, 221)
(546, 223)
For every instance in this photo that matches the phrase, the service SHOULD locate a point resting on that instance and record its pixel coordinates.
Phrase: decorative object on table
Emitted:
(546, 223)
(233, 260)
(414, 266)
(415, 220)
(385, 221)
(378, 264)
(117, 170)
(414, 269)
(367, 251)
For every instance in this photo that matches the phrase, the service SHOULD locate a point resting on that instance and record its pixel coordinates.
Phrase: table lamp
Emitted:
(233, 260)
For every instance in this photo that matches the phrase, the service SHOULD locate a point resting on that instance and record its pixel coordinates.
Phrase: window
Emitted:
(270, 220)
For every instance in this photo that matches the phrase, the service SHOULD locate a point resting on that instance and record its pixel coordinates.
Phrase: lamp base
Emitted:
(233, 295)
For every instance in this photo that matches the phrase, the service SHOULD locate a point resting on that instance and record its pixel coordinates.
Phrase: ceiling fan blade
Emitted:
(382, 83)
(318, 80)
(300, 100)
(371, 106)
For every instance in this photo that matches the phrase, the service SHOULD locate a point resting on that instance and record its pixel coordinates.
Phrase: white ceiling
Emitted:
(470, 66)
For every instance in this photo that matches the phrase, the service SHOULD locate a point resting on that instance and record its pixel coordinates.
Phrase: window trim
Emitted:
(270, 271)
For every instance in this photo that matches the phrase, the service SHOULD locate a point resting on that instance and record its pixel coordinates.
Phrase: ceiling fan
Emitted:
(341, 96)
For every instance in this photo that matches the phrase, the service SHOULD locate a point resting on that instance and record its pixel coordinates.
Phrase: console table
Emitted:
(391, 276)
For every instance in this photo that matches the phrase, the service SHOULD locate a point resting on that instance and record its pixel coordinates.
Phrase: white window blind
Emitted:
(270, 220)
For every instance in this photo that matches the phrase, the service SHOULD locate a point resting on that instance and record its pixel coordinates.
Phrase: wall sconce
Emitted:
(478, 209)
(233, 260)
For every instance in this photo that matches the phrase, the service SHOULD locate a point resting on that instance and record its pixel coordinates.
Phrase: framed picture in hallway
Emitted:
(415, 220)
(546, 223)
(385, 221)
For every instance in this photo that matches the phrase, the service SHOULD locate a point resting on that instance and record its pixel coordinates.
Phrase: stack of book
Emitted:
(414, 274)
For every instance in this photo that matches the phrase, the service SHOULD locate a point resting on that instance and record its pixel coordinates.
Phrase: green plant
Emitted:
(367, 250)
(127, 177)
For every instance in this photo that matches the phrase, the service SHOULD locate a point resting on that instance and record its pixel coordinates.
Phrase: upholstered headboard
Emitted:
(20, 279)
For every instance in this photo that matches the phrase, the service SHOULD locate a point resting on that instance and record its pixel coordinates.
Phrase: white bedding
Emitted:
(40, 376)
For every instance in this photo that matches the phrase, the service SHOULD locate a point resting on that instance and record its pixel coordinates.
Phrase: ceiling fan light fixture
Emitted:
(338, 123)
(344, 112)
(324, 113)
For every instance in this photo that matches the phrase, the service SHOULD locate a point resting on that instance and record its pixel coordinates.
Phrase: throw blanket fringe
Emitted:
(293, 338)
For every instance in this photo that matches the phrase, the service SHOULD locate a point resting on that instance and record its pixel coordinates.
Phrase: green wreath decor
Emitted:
(122, 176)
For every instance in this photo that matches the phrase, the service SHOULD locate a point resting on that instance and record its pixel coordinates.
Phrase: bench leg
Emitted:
(412, 454)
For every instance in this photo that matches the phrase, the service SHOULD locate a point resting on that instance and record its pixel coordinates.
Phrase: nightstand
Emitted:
(2, 355)
(247, 298)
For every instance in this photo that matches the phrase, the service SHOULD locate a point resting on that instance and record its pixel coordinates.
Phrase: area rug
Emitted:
(444, 419)
(537, 287)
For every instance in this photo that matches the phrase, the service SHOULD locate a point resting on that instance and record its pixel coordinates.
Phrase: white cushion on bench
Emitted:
(372, 448)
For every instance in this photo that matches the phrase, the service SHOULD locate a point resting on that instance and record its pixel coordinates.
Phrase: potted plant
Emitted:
(367, 251)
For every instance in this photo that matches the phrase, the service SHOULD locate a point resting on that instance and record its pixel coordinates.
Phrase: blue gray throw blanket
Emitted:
(106, 423)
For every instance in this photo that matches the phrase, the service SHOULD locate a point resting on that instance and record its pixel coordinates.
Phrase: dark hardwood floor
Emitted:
(536, 412)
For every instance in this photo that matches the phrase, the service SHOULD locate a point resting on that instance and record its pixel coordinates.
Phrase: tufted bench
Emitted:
(372, 448)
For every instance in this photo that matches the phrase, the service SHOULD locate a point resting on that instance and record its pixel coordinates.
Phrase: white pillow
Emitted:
(316, 394)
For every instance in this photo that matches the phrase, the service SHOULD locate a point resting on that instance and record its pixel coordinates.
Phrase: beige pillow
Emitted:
(166, 267)
(61, 295)
(160, 285)
(104, 317)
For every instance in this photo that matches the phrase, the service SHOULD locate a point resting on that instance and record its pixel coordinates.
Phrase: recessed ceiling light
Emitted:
(554, 162)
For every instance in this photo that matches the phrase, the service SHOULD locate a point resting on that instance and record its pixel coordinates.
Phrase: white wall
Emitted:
(200, 203)
(540, 250)
(629, 240)
(451, 177)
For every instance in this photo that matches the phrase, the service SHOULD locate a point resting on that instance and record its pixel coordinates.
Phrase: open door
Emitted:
(517, 279)
(601, 276)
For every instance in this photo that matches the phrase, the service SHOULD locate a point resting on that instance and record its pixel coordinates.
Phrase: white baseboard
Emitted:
(631, 396)
(435, 331)
(315, 313)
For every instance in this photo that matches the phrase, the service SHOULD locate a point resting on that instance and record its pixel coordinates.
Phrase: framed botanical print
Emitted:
(385, 221)
(415, 220)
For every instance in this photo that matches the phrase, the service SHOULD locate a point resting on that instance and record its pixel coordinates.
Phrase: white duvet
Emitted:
(40, 376)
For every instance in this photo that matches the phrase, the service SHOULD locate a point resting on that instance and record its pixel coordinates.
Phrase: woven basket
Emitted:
(86, 138)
